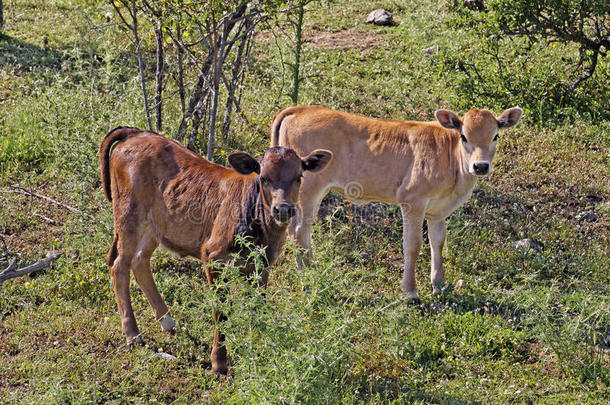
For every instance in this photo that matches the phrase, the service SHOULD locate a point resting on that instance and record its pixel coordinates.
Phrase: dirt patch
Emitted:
(345, 39)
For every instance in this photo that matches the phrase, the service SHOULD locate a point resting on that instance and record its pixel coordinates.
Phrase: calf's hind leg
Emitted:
(122, 252)
(140, 266)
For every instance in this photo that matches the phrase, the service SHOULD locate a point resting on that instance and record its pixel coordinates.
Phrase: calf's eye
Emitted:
(496, 137)
(463, 138)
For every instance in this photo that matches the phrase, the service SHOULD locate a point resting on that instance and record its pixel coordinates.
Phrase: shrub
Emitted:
(547, 55)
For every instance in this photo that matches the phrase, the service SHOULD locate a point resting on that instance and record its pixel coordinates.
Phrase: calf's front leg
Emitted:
(220, 364)
(436, 234)
(412, 221)
(310, 197)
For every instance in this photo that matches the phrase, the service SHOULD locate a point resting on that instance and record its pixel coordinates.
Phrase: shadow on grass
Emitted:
(375, 389)
(26, 57)
(475, 302)
(459, 303)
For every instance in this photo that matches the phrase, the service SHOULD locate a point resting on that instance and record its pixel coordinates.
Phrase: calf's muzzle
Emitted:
(283, 212)
(480, 168)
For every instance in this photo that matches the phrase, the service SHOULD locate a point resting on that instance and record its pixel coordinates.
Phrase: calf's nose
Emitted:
(481, 167)
(283, 212)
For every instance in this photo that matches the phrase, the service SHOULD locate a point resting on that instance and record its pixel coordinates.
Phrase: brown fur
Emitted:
(164, 194)
(425, 167)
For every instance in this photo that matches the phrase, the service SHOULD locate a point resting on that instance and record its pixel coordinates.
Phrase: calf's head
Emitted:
(478, 134)
(279, 172)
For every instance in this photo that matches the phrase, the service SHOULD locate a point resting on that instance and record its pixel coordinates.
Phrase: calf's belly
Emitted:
(180, 237)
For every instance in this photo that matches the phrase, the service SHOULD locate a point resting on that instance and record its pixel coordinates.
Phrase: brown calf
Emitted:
(428, 168)
(164, 194)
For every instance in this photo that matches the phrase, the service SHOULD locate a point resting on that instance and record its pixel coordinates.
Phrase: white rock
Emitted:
(165, 356)
(587, 216)
(380, 17)
(527, 245)
(167, 323)
(138, 340)
(433, 50)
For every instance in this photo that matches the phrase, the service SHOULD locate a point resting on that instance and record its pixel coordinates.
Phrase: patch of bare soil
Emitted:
(345, 39)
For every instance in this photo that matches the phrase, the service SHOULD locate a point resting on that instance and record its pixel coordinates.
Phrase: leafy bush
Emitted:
(547, 55)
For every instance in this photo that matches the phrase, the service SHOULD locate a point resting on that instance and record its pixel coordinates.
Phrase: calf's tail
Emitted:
(277, 124)
(118, 134)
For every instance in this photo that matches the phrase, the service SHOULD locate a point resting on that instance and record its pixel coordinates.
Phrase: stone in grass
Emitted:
(527, 245)
(433, 50)
(165, 356)
(380, 17)
(587, 216)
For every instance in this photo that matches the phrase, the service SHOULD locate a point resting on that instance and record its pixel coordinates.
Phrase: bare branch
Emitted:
(138, 41)
(118, 11)
(159, 76)
(46, 219)
(21, 190)
(181, 73)
(589, 72)
(10, 272)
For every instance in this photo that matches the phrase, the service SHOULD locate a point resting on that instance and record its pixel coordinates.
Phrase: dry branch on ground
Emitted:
(11, 272)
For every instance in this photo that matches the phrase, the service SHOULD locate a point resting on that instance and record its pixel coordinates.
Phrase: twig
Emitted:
(39, 265)
(3, 243)
(159, 76)
(11, 266)
(391, 304)
(43, 197)
(46, 219)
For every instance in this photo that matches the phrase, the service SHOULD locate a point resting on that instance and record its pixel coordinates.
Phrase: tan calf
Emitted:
(428, 168)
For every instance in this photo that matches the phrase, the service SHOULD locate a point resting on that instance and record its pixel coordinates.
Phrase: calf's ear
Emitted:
(244, 163)
(448, 119)
(316, 160)
(509, 117)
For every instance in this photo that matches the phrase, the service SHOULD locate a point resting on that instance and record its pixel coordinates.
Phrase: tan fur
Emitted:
(422, 166)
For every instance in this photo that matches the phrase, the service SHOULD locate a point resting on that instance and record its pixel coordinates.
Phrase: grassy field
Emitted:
(521, 327)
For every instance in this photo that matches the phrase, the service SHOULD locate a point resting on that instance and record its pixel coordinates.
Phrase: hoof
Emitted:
(136, 341)
(438, 288)
(220, 370)
(167, 323)
(412, 298)
(220, 365)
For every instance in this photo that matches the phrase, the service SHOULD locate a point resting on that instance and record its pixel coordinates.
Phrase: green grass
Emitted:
(523, 328)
